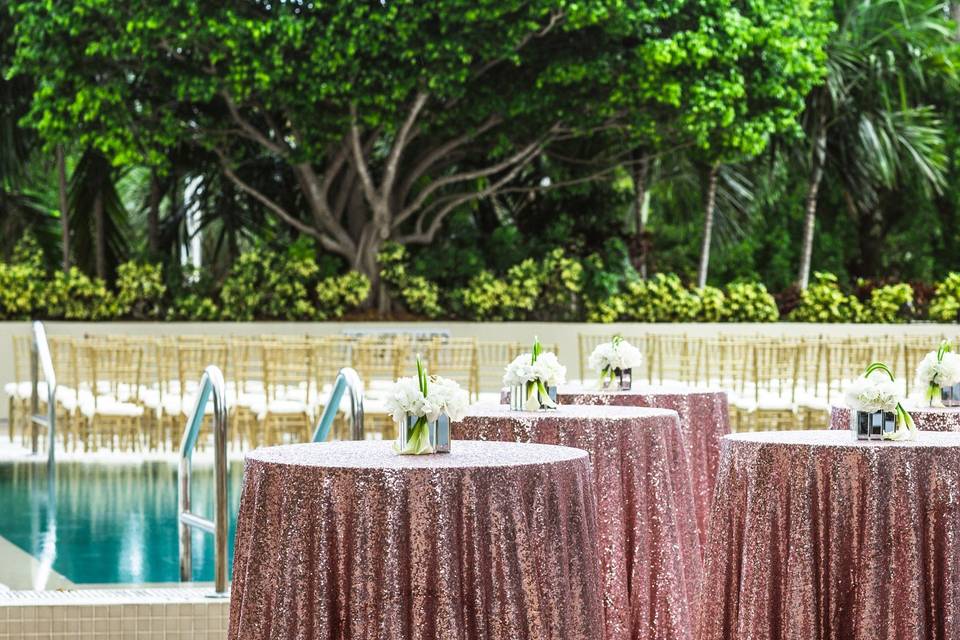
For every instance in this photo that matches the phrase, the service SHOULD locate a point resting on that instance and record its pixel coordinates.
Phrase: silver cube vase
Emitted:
(622, 380)
(438, 432)
(518, 397)
(873, 425)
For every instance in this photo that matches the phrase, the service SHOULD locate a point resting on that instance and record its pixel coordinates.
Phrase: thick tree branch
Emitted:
(422, 236)
(521, 156)
(359, 161)
(263, 199)
(400, 143)
(251, 131)
(311, 186)
(431, 158)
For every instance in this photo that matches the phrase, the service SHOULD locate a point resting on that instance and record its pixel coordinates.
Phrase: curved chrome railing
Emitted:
(40, 359)
(210, 384)
(347, 378)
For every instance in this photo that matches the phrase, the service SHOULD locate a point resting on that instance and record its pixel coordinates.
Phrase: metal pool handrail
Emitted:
(347, 378)
(40, 359)
(210, 384)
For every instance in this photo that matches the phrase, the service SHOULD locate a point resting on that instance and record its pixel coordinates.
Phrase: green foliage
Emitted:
(513, 297)
(193, 307)
(662, 298)
(419, 295)
(713, 304)
(338, 294)
(890, 304)
(823, 301)
(749, 302)
(267, 285)
(76, 296)
(22, 281)
(945, 305)
(140, 290)
(550, 289)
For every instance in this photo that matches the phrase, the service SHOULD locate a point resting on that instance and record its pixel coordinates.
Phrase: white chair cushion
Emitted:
(109, 406)
(284, 407)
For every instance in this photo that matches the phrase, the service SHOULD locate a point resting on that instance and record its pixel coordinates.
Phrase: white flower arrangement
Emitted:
(876, 390)
(938, 369)
(546, 368)
(873, 393)
(425, 398)
(618, 354)
(535, 372)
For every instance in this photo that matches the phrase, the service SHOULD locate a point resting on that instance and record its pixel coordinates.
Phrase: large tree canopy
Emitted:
(391, 115)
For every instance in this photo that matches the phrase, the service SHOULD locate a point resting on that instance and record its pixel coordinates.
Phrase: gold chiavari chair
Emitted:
(771, 375)
(586, 343)
(112, 415)
(246, 388)
(455, 358)
(380, 361)
(18, 391)
(492, 360)
(285, 415)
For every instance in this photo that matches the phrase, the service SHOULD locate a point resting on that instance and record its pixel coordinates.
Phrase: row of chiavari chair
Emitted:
(136, 392)
(773, 383)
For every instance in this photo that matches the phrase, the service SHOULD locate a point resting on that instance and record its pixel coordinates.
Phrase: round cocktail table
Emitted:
(816, 535)
(349, 540)
(649, 542)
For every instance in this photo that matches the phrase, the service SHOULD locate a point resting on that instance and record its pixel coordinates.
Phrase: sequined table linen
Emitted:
(348, 541)
(814, 535)
(704, 419)
(926, 418)
(649, 545)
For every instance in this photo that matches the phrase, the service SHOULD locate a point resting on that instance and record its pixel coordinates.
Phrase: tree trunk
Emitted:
(100, 235)
(64, 206)
(153, 216)
(709, 205)
(640, 202)
(955, 16)
(810, 204)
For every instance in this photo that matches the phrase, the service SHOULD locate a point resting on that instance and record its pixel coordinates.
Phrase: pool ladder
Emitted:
(347, 378)
(212, 385)
(40, 360)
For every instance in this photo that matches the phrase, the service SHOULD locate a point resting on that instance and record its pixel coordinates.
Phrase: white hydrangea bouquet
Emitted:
(532, 379)
(423, 408)
(615, 360)
(874, 392)
(937, 371)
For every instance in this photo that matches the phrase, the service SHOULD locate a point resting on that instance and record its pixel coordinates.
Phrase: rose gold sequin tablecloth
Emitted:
(926, 418)
(348, 541)
(816, 536)
(704, 419)
(649, 546)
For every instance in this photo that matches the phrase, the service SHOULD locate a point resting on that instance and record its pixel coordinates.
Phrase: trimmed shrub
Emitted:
(662, 298)
(749, 302)
(713, 304)
(76, 296)
(140, 290)
(945, 305)
(418, 295)
(890, 304)
(823, 301)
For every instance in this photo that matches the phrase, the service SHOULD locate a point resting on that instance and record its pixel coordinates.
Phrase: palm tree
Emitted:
(864, 125)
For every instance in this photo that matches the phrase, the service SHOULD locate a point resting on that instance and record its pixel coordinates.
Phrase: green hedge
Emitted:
(264, 285)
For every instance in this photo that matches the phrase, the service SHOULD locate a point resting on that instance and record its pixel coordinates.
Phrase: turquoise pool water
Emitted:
(116, 523)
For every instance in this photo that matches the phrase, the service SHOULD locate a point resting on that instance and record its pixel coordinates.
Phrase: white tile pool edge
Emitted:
(178, 613)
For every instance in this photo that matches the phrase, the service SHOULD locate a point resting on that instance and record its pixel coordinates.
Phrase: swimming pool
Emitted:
(114, 522)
